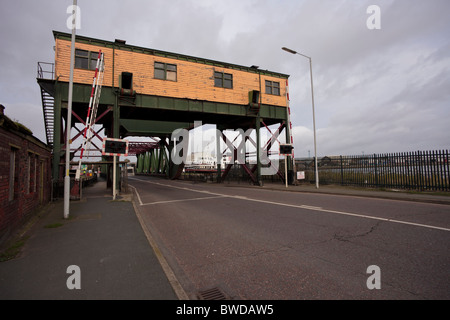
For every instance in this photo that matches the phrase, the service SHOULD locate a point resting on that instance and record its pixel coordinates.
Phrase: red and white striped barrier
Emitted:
(91, 99)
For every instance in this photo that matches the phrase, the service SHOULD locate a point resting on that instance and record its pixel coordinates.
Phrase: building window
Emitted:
(223, 80)
(12, 173)
(273, 87)
(85, 59)
(165, 71)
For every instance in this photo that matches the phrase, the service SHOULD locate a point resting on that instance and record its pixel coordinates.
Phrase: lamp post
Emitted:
(313, 112)
(69, 116)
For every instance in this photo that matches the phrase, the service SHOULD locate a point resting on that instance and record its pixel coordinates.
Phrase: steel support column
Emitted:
(174, 169)
(139, 163)
(258, 150)
(116, 135)
(219, 155)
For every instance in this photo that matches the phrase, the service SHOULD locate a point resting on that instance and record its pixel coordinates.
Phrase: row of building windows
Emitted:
(165, 71)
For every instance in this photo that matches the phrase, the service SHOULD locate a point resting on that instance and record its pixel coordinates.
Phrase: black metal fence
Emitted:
(419, 170)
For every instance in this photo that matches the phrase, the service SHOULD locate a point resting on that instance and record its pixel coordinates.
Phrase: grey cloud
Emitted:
(375, 90)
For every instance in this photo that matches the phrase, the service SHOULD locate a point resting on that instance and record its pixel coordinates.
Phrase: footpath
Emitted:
(99, 253)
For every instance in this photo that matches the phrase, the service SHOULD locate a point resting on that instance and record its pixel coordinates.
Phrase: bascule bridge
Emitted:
(150, 93)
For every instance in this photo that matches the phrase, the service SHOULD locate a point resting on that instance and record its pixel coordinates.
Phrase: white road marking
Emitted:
(180, 200)
(350, 214)
(299, 206)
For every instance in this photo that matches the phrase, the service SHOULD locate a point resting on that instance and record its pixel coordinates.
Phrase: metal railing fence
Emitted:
(419, 170)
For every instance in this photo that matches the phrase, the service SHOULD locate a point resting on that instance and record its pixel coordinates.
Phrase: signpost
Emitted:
(115, 147)
(286, 150)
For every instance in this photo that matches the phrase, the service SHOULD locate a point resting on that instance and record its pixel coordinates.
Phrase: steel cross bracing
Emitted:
(265, 150)
(136, 148)
(269, 144)
(152, 157)
(97, 94)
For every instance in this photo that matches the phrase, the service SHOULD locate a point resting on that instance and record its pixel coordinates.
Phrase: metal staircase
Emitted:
(45, 72)
(48, 104)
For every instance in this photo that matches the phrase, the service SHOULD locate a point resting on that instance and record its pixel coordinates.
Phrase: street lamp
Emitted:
(69, 116)
(313, 112)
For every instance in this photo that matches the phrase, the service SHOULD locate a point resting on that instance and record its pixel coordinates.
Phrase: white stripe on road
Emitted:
(172, 201)
(180, 200)
(305, 207)
(349, 214)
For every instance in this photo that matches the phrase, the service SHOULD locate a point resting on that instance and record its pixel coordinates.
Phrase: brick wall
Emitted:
(194, 80)
(32, 178)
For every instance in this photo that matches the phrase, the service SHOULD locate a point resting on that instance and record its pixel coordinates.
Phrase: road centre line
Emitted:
(301, 206)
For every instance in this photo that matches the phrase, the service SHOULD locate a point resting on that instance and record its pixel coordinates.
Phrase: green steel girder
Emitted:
(157, 162)
(147, 162)
(152, 128)
(174, 170)
(139, 163)
(176, 109)
(147, 115)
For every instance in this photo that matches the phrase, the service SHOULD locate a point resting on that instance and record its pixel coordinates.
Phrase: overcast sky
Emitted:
(376, 90)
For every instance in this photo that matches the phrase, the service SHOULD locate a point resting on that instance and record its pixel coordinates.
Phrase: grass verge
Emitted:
(13, 250)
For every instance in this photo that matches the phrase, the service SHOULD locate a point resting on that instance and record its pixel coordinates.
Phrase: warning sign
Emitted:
(115, 147)
(286, 149)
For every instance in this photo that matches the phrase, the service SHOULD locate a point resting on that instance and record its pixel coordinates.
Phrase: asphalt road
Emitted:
(274, 245)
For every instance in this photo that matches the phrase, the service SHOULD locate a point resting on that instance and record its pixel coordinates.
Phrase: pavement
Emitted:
(104, 251)
(100, 252)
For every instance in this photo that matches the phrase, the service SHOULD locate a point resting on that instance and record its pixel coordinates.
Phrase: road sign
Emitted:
(115, 147)
(286, 149)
